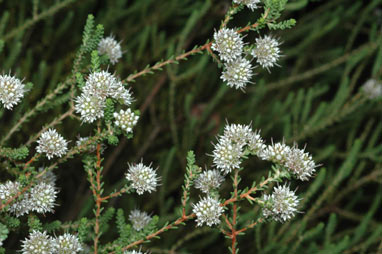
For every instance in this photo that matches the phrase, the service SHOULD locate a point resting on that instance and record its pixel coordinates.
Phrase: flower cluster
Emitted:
(276, 153)
(40, 198)
(237, 73)
(229, 44)
(52, 144)
(209, 180)
(238, 140)
(139, 219)
(111, 48)
(372, 89)
(42, 243)
(237, 70)
(98, 87)
(9, 190)
(297, 161)
(281, 205)
(251, 4)
(300, 163)
(37, 243)
(267, 51)
(230, 146)
(11, 91)
(49, 177)
(126, 120)
(67, 244)
(208, 211)
(143, 178)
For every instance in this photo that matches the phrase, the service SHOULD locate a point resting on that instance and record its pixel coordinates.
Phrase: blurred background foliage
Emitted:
(311, 99)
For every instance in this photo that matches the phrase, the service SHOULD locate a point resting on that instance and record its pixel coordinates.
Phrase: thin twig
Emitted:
(185, 55)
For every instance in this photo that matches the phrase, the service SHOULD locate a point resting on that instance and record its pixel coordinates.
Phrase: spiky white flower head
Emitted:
(228, 43)
(123, 94)
(52, 144)
(226, 154)
(238, 133)
(281, 205)
(143, 178)
(139, 219)
(100, 84)
(267, 51)
(42, 197)
(22, 206)
(11, 91)
(9, 189)
(300, 163)
(256, 143)
(49, 177)
(37, 243)
(111, 48)
(90, 107)
(209, 180)
(207, 210)
(19, 206)
(372, 89)
(277, 153)
(126, 119)
(67, 244)
(237, 73)
(251, 4)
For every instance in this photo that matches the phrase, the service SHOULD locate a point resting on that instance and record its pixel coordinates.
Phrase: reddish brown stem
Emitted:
(31, 160)
(186, 54)
(163, 229)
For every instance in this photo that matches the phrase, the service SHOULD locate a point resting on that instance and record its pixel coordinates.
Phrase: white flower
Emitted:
(207, 210)
(139, 219)
(67, 244)
(277, 153)
(372, 89)
(37, 243)
(52, 143)
(42, 197)
(300, 163)
(18, 206)
(238, 133)
(256, 143)
(90, 107)
(267, 51)
(48, 177)
(100, 84)
(11, 91)
(143, 178)
(228, 43)
(251, 4)
(281, 205)
(237, 73)
(209, 180)
(126, 120)
(226, 155)
(111, 48)
(121, 93)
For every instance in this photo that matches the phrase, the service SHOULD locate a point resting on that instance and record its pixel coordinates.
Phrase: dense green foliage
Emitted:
(330, 49)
